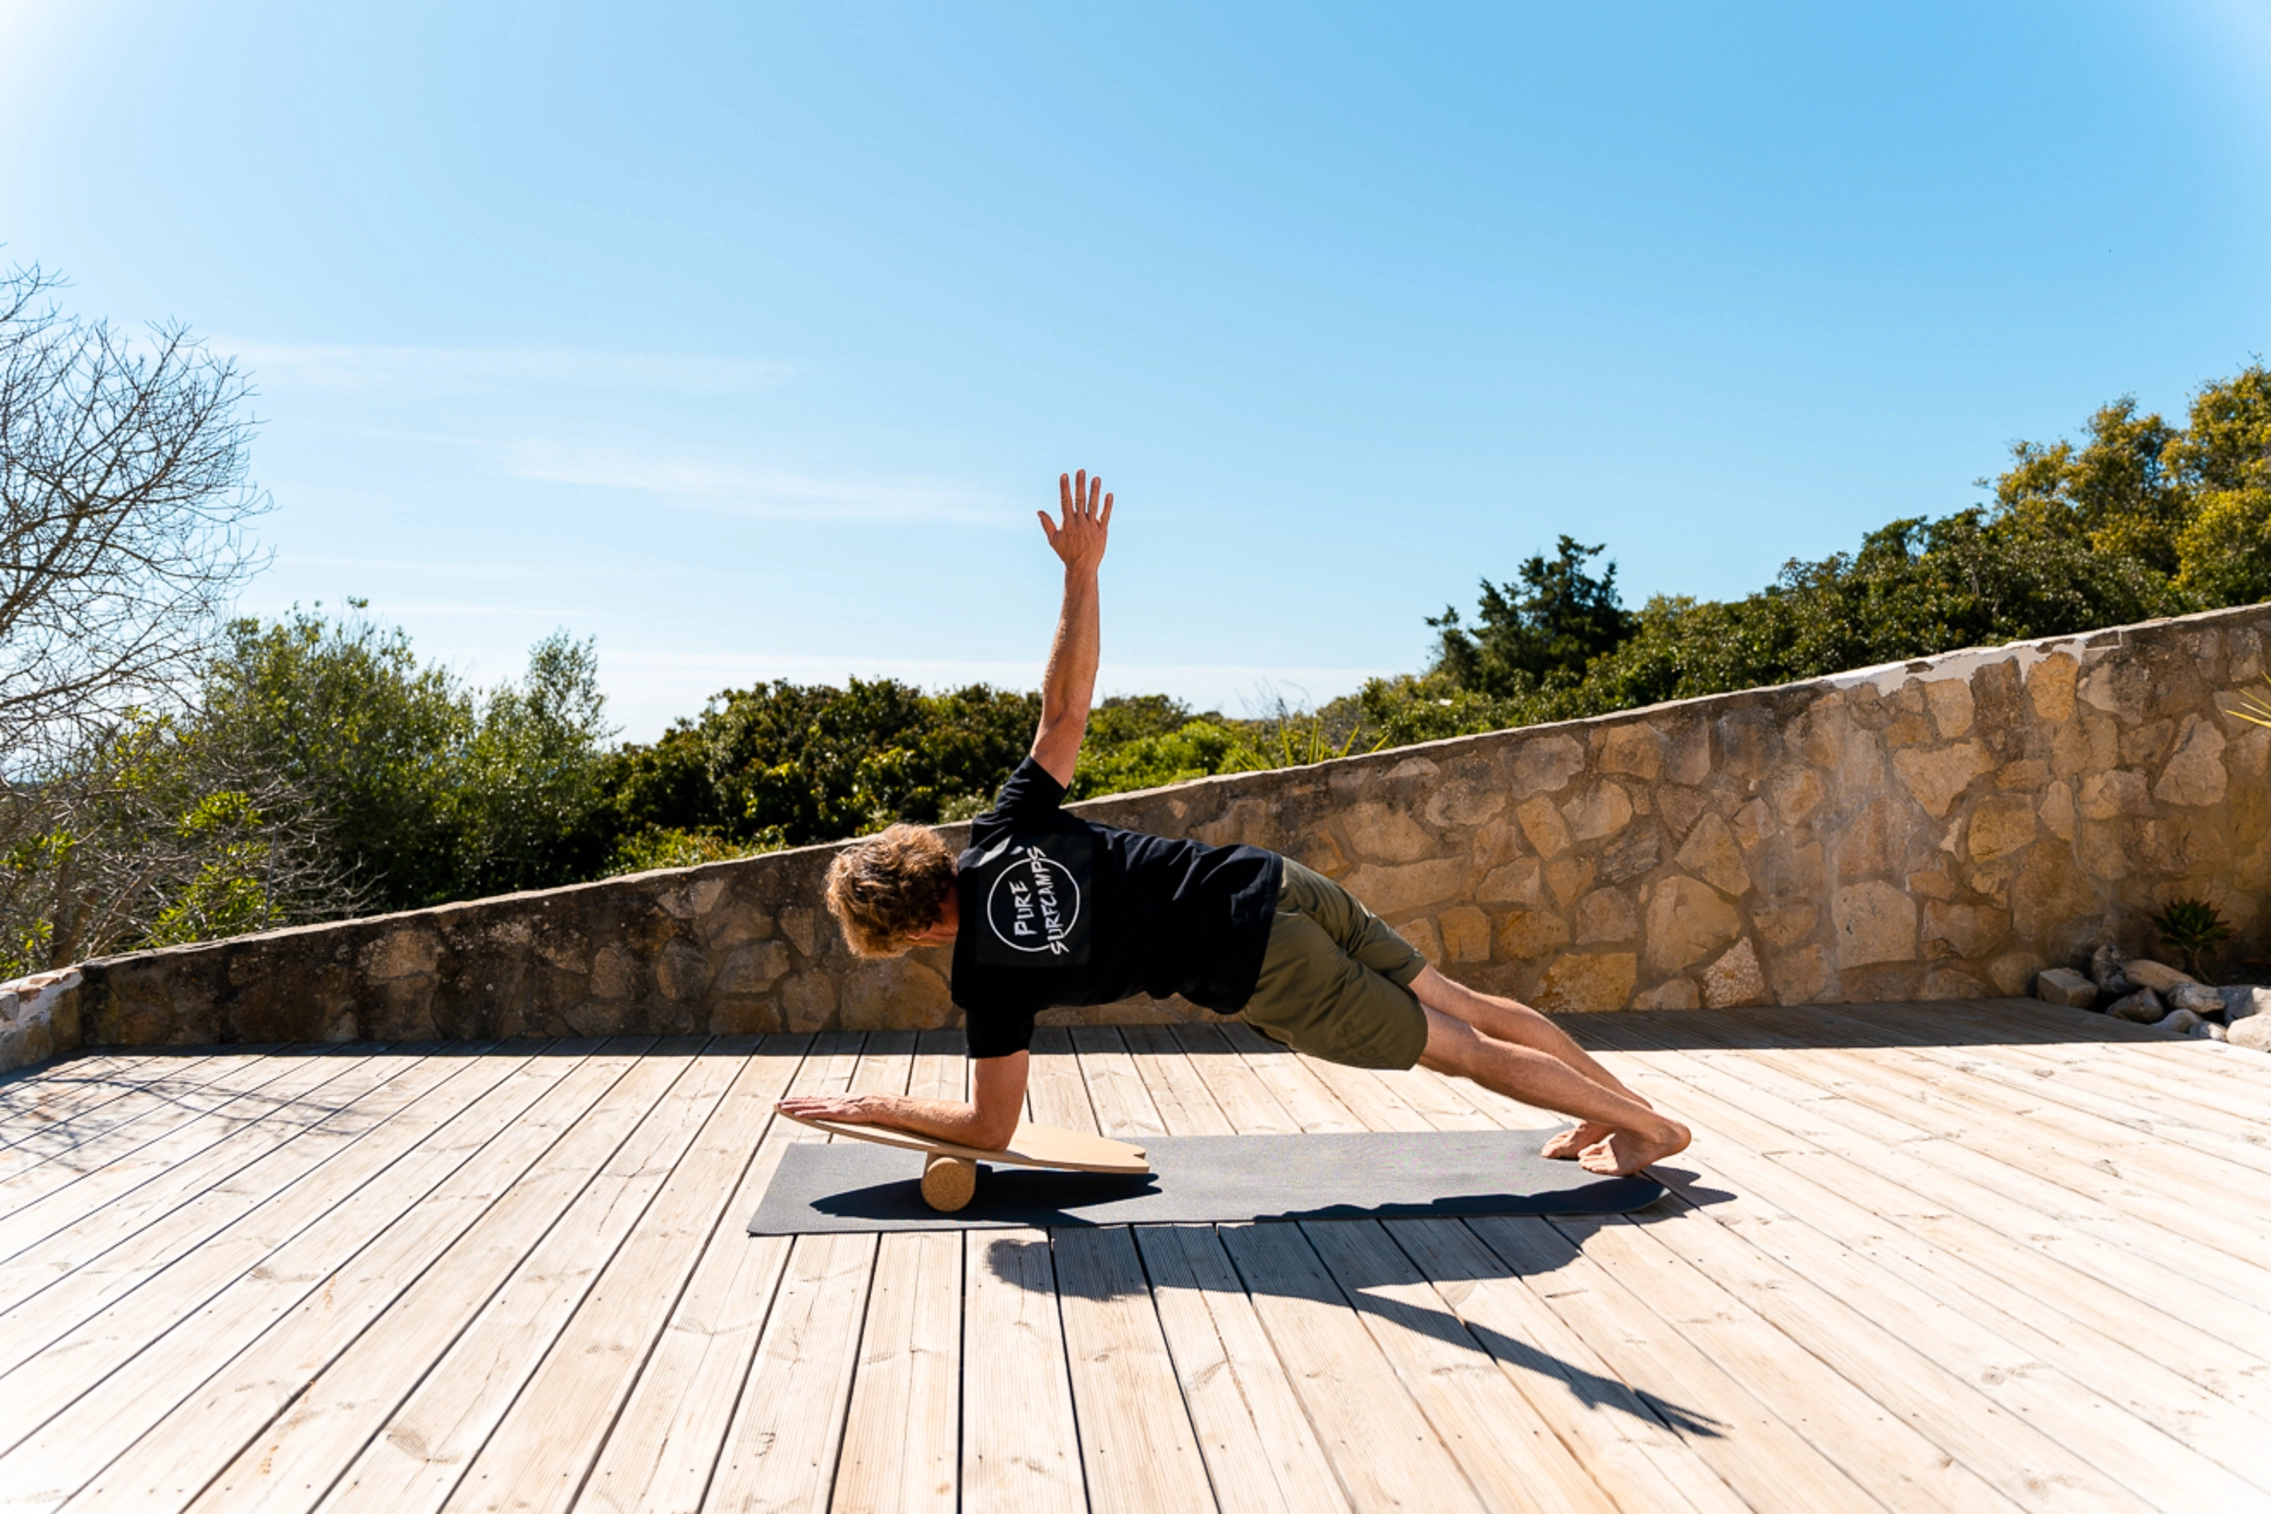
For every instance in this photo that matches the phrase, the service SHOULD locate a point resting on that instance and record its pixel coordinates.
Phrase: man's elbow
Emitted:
(993, 1133)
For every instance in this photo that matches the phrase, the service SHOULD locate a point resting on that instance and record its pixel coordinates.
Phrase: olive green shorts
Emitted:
(1335, 982)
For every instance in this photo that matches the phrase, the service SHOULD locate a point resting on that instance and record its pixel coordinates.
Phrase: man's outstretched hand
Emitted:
(1086, 511)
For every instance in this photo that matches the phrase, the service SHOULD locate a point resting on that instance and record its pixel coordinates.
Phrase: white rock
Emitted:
(2064, 986)
(2244, 999)
(2254, 1033)
(2197, 997)
(2213, 1031)
(2177, 1022)
(2157, 976)
(2144, 1006)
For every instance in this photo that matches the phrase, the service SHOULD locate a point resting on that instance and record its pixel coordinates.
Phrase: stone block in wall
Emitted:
(1735, 979)
(1686, 921)
(1936, 775)
(1875, 922)
(1588, 982)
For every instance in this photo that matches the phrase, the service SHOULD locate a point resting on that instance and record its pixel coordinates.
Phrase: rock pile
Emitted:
(2153, 993)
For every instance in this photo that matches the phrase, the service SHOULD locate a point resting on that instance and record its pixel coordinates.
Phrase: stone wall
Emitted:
(1942, 828)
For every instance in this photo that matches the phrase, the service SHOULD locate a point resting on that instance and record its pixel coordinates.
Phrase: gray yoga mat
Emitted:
(859, 1186)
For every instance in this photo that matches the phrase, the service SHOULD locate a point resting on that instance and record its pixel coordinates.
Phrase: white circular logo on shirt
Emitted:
(1034, 903)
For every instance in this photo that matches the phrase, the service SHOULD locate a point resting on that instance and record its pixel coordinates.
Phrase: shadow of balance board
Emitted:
(950, 1172)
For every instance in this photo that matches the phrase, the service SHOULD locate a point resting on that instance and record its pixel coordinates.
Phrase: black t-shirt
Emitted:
(1056, 910)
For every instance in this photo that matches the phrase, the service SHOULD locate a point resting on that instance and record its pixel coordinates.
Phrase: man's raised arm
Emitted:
(1070, 685)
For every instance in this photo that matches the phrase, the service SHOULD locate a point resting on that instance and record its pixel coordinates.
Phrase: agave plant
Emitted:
(2194, 928)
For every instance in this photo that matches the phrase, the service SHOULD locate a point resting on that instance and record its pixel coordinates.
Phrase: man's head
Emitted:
(889, 889)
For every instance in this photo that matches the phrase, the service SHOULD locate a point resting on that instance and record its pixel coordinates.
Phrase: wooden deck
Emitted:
(1927, 1258)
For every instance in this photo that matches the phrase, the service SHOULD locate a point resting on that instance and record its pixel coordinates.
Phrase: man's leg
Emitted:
(1511, 1021)
(1636, 1134)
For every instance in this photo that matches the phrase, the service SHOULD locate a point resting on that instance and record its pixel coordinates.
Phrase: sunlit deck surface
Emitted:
(1930, 1258)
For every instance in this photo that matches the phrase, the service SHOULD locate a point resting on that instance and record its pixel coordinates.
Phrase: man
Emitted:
(1045, 908)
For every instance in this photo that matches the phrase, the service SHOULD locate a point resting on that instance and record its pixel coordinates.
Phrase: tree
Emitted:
(1547, 627)
(2224, 463)
(162, 831)
(124, 495)
(425, 790)
(786, 763)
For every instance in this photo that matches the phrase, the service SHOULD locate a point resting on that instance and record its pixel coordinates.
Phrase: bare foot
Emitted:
(1624, 1152)
(1566, 1146)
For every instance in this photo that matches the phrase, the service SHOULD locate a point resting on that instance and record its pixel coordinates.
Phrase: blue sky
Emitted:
(746, 338)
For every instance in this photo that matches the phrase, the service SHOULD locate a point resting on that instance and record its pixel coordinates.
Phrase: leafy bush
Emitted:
(427, 790)
(808, 763)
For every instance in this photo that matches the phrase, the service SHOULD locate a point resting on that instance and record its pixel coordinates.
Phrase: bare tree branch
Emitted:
(124, 496)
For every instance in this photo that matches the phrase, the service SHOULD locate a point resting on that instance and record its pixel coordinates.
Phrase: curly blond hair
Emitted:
(886, 887)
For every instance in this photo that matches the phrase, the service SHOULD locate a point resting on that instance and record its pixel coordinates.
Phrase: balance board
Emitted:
(950, 1171)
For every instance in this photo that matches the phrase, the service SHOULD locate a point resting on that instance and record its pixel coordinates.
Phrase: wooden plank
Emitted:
(59, 1367)
(1612, 1431)
(783, 1443)
(902, 1439)
(1386, 1453)
(2017, 1284)
(941, 1070)
(40, 1102)
(2208, 1134)
(241, 1120)
(781, 1453)
(1261, 1456)
(1116, 1091)
(65, 1339)
(434, 1435)
(1941, 1197)
(287, 1417)
(2224, 1089)
(1373, 1104)
(2179, 1173)
(2066, 1434)
(1289, 1079)
(2208, 1241)
(1511, 1456)
(546, 1444)
(887, 1060)
(158, 1085)
(1442, 1102)
(1054, 1089)
(1916, 1432)
(1136, 1444)
(2028, 1173)
(164, 1100)
(1768, 1463)
(1506, 1113)
(1245, 1101)
(2064, 1391)
(2207, 1072)
(2095, 1086)
(1020, 1446)
(2037, 1101)
(1177, 1092)
(198, 1438)
(665, 1444)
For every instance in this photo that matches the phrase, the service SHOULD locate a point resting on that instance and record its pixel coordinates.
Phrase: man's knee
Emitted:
(1452, 1044)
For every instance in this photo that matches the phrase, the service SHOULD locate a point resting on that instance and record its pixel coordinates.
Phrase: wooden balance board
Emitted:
(950, 1172)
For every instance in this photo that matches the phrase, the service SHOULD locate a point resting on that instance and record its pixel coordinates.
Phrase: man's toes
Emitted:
(1569, 1143)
